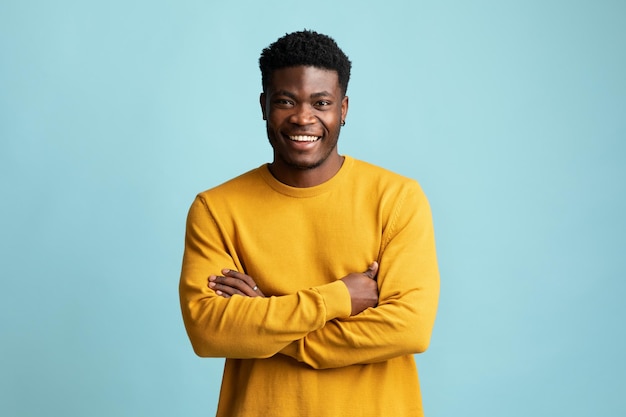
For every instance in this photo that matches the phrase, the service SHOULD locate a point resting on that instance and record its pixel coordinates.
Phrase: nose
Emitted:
(302, 115)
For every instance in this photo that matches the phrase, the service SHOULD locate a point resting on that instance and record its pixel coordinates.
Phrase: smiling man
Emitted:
(315, 275)
(304, 107)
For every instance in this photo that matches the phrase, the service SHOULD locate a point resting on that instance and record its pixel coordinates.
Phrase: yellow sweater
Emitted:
(298, 352)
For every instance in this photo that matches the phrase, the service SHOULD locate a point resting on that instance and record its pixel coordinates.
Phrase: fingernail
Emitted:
(211, 284)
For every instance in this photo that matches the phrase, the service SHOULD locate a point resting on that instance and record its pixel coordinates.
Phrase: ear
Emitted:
(263, 103)
(344, 107)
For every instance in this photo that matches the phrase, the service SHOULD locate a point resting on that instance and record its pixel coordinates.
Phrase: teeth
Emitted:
(303, 138)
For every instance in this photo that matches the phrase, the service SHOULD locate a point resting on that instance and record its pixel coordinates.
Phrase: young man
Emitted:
(271, 277)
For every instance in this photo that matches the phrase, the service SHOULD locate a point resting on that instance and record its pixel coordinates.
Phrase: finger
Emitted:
(244, 278)
(224, 288)
(372, 270)
(234, 283)
(227, 284)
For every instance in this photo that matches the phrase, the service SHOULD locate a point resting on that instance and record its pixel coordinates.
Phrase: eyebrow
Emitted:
(321, 94)
(293, 96)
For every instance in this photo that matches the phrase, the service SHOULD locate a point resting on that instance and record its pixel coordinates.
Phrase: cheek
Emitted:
(333, 122)
(275, 120)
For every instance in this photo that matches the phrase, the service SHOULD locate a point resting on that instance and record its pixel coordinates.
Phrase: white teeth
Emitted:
(303, 138)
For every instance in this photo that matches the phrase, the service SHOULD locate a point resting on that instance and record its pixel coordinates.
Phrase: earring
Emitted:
(343, 123)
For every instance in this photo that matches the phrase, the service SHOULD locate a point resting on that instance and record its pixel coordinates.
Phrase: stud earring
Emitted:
(343, 123)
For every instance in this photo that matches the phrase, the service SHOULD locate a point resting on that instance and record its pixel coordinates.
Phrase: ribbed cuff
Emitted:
(336, 300)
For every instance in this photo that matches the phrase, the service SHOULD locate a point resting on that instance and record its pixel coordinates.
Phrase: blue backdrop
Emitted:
(511, 114)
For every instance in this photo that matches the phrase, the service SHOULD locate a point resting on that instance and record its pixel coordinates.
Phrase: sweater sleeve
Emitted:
(408, 282)
(242, 327)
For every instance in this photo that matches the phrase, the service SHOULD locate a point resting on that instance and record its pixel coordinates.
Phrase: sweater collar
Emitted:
(309, 191)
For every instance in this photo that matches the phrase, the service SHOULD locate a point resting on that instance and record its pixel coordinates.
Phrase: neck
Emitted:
(305, 177)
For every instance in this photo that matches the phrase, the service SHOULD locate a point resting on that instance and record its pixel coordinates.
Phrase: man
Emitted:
(272, 272)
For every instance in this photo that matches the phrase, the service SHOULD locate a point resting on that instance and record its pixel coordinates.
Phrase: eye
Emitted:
(283, 103)
(323, 103)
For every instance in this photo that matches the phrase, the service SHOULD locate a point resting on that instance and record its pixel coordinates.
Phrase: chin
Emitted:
(307, 167)
(303, 165)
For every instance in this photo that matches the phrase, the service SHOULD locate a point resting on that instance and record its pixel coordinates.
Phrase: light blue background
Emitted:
(511, 114)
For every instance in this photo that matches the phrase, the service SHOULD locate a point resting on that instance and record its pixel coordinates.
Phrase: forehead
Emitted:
(304, 79)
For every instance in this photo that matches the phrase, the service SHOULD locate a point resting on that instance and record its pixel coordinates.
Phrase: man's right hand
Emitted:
(363, 288)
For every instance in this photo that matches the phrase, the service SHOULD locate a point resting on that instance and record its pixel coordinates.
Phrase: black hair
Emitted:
(307, 48)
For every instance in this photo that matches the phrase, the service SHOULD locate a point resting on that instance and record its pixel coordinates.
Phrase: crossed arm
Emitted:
(358, 320)
(374, 332)
(361, 286)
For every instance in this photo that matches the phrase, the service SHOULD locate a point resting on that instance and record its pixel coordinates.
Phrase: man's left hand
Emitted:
(233, 282)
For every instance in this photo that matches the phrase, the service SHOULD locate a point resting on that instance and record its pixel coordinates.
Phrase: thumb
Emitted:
(372, 270)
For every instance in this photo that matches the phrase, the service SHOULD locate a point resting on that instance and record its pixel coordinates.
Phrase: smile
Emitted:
(304, 138)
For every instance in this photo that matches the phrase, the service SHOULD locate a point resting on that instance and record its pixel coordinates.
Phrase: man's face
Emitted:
(304, 107)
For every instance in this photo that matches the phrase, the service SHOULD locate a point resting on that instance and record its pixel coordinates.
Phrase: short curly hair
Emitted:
(307, 48)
